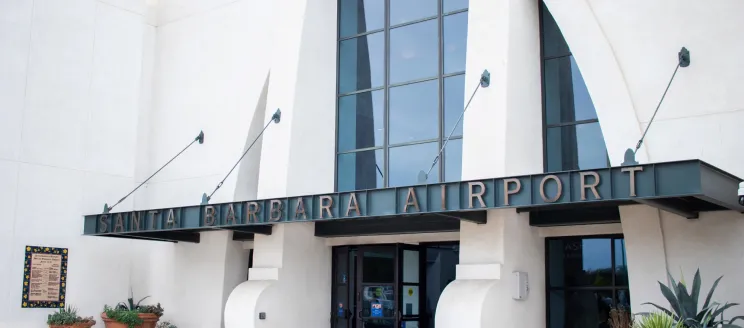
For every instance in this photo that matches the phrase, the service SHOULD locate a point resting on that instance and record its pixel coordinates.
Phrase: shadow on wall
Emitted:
(246, 186)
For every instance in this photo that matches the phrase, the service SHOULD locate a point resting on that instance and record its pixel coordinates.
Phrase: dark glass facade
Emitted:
(401, 87)
(573, 137)
(587, 277)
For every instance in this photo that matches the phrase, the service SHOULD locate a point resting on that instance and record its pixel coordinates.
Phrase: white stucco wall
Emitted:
(70, 87)
(95, 95)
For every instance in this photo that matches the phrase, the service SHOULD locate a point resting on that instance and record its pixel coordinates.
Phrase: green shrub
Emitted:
(123, 315)
(67, 316)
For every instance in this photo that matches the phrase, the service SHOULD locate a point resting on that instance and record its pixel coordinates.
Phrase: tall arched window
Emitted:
(401, 68)
(573, 138)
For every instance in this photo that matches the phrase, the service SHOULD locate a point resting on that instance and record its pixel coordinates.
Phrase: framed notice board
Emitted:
(44, 277)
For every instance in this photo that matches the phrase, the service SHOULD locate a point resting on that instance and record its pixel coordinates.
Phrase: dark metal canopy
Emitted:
(685, 188)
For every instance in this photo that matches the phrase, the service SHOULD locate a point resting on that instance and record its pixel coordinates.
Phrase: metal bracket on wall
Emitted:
(683, 60)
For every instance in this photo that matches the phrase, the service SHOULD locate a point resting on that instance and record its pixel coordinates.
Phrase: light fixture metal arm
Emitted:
(199, 138)
(485, 81)
(275, 119)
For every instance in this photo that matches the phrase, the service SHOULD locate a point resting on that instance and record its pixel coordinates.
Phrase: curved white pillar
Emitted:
(462, 303)
(241, 310)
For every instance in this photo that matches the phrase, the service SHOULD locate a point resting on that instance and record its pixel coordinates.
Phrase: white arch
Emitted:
(603, 77)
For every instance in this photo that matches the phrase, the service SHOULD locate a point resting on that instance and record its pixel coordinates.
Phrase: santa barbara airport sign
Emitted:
(602, 185)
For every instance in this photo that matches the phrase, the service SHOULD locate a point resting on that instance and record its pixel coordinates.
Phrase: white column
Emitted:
(502, 138)
(646, 255)
(489, 254)
(289, 282)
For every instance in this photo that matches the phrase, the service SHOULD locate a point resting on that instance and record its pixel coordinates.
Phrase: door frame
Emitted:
(352, 312)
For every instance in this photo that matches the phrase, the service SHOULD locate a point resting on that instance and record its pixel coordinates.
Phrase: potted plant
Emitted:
(131, 315)
(67, 318)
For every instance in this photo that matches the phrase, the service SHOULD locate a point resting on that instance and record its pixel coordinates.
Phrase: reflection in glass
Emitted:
(453, 160)
(623, 299)
(360, 170)
(411, 266)
(378, 297)
(566, 96)
(621, 264)
(455, 42)
(576, 147)
(413, 52)
(360, 120)
(378, 267)
(579, 309)
(361, 63)
(454, 104)
(580, 262)
(452, 5)
(553, 42)
(407, 161)
(413, 112)
(359, 16)
(403, 11)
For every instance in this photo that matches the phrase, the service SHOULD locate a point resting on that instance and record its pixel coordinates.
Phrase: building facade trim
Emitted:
(689, 186)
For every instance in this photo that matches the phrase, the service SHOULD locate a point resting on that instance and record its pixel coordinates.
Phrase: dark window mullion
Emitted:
(546, 58)
(386, 123)
(360, 91)
(420, 20)
(349, 37)
(556, 125)
(440, 35)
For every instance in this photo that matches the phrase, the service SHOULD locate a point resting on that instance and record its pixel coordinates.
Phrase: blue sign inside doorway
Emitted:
(376, 310)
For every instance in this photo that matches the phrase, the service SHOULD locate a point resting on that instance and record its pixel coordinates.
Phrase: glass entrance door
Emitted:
(377, 287)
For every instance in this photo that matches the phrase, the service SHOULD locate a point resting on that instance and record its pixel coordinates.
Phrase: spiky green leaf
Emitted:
(710, 293)
(673, 315)
(696, 288)
(671, 298)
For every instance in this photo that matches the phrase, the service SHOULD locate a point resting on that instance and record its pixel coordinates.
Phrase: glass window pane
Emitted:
(360, 170)
(413, 52)
(580, 262)
(579, 309)
(623, 300)
(455, 42)
(552, 41)
(378, 302)
(454, 104)
(361, 63)
(621, 263)
(575, 147)
(414, 112)
(407, 161)
(378, 267)
(566, 96)
(361, 120)
(359, 16)
(411, 324)
(410, 297)
(410, 266)
(403, 11)
(453, 160)
(452, 5)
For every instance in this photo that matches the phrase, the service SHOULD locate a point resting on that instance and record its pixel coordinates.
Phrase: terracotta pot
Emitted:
(150, 320)
(77, 325)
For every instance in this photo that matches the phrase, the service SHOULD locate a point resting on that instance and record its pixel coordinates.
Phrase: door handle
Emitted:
(399, 315)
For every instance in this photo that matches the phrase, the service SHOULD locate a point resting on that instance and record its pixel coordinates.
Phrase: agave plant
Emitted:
(655, 320)
(684, 305)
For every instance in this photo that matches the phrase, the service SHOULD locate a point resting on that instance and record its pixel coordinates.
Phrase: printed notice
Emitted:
(44, 280)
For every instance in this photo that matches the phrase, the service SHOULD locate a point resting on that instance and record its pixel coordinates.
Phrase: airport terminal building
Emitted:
(370, 163)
